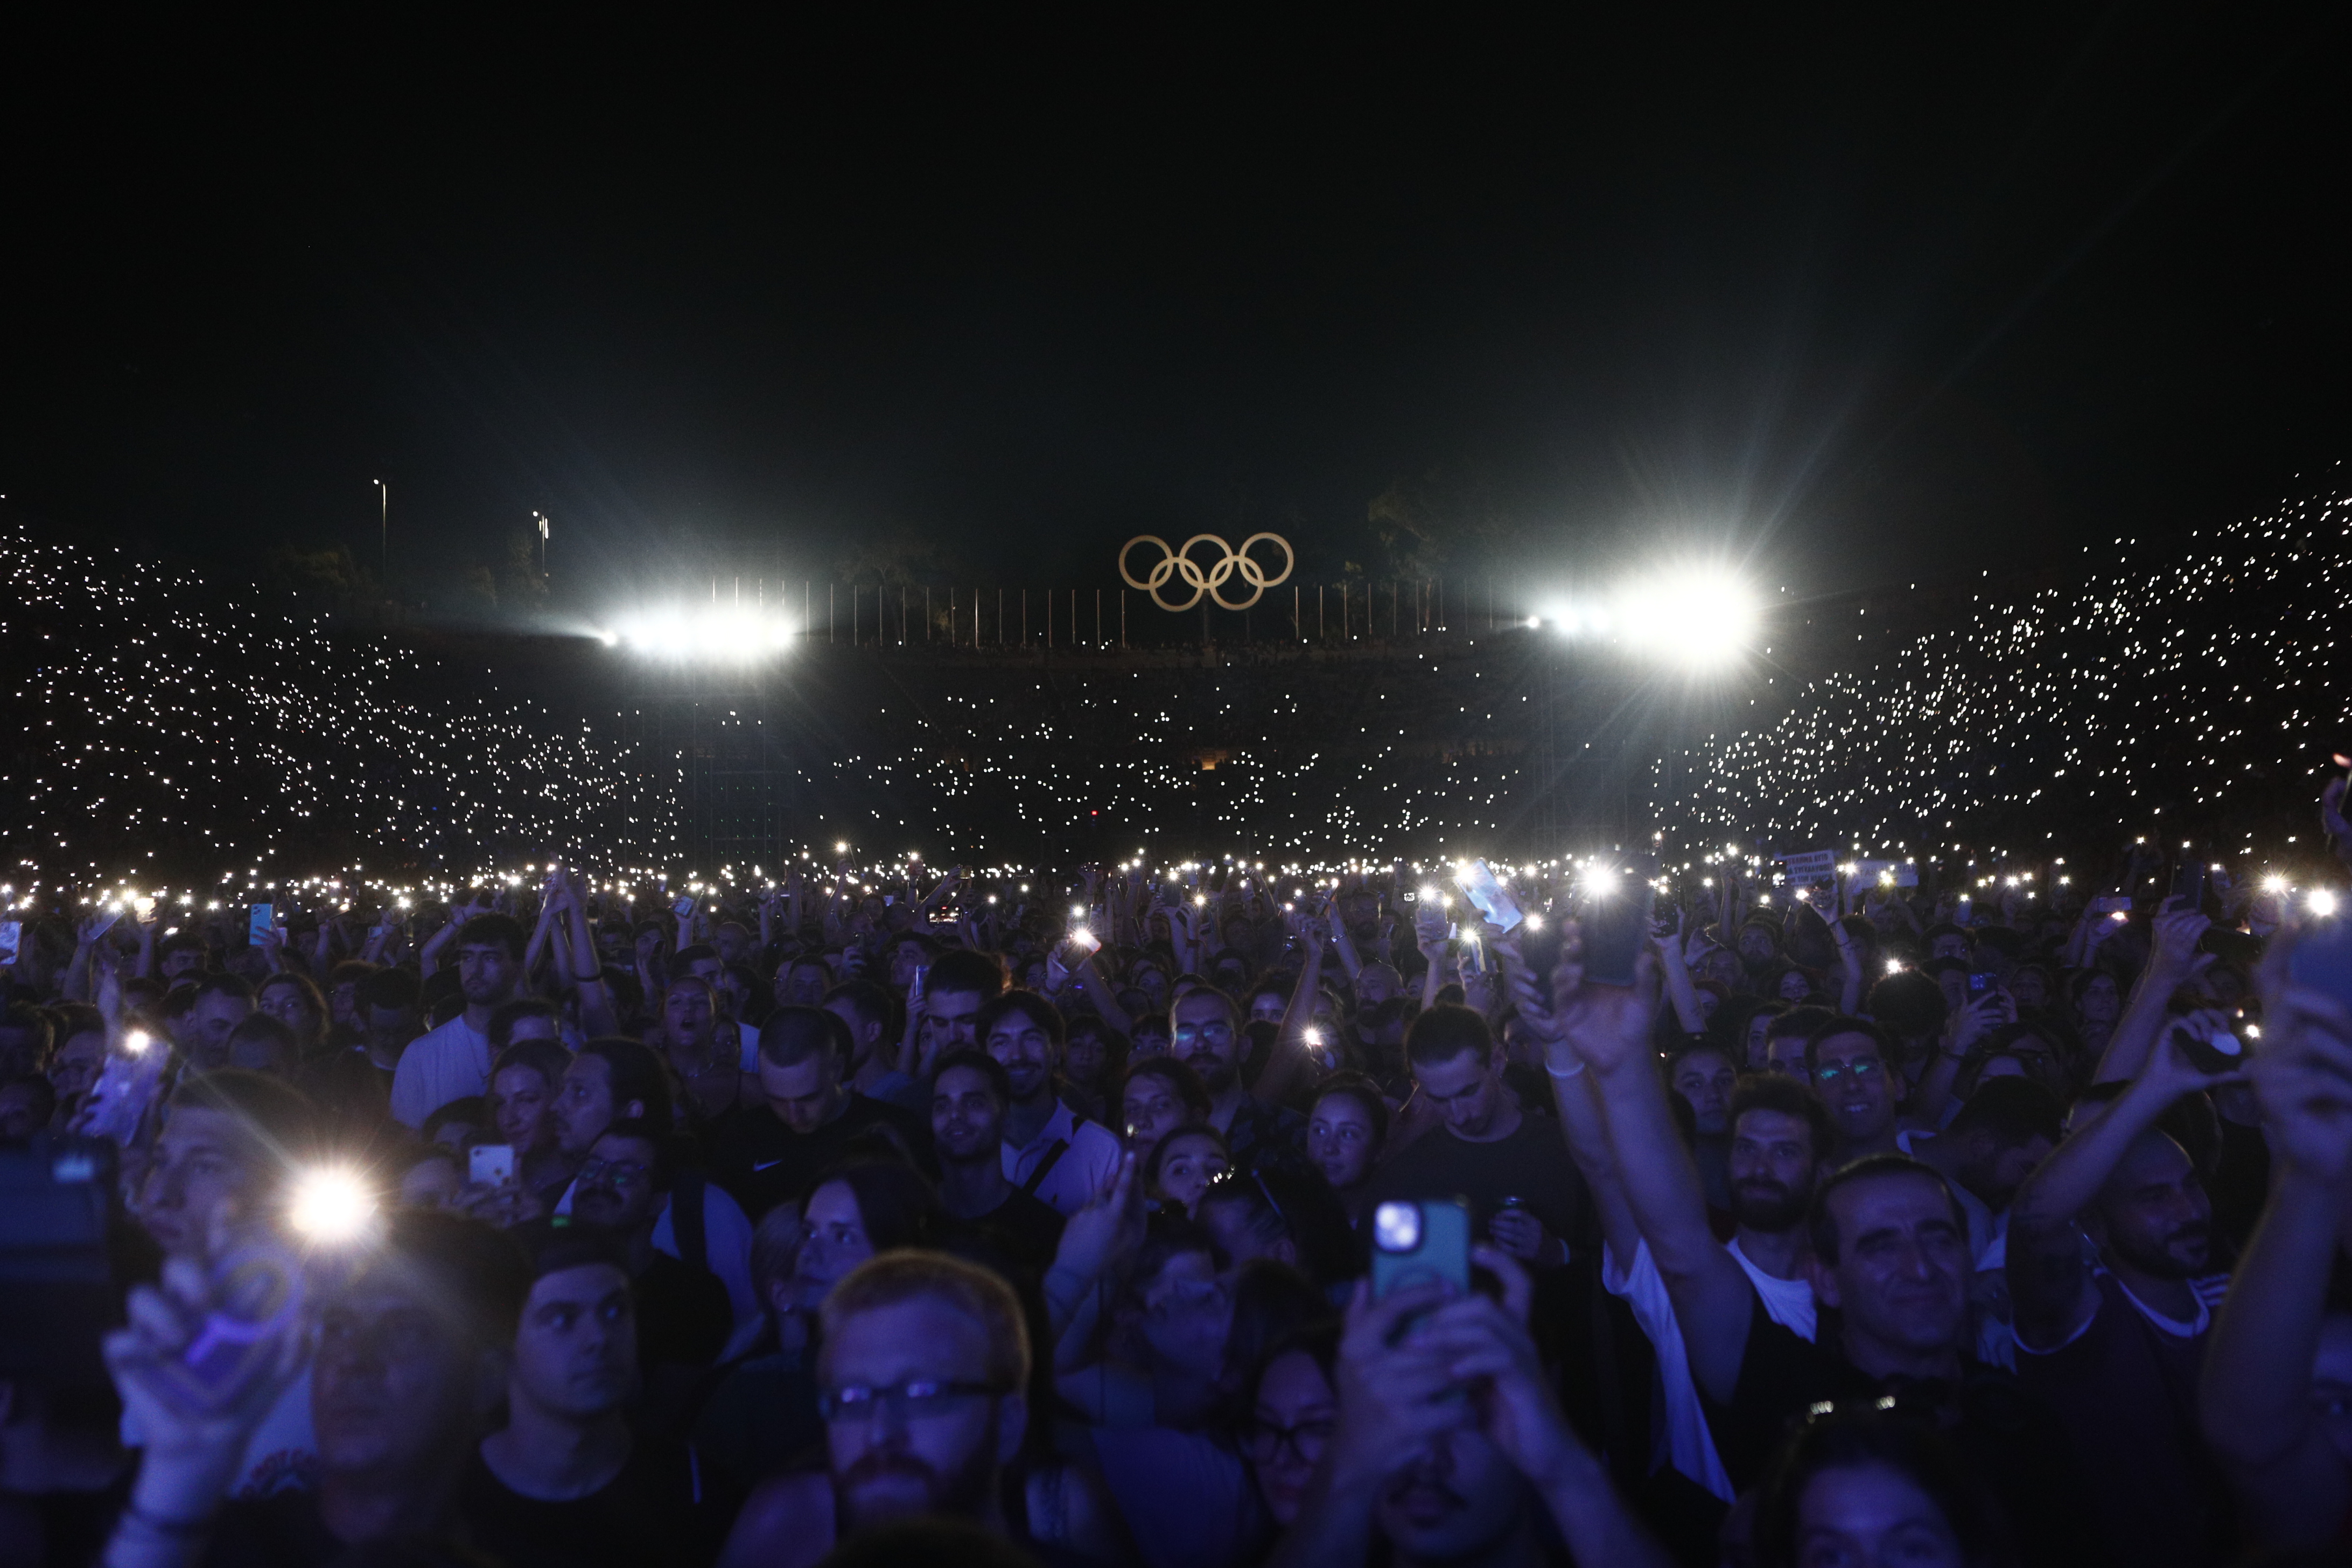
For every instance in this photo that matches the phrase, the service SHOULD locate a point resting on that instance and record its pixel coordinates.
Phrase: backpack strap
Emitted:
(1060, 1147)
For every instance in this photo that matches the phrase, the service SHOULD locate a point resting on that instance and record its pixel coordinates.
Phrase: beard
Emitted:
(881, 1489)
(2183, 1255)
(1215, 1072)
(1770, 1206)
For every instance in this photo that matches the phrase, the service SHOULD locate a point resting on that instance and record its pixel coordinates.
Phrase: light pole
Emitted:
(384, 532)
(543, 542)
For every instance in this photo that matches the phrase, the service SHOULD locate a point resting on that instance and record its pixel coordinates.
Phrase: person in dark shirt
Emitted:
(2117, 1349)
(681, 1312)
(565, 1484)
(1891, 1260)
(403, 1378)
(970, 1094)
(810, 1117)
(1488, 1150)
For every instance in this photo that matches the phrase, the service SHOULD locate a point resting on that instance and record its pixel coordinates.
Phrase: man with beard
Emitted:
(565, 1483)
(1885, 1246)
(1206, 1036)
(453, 1062)
(1660, 1254)
(920, 1383)
(2117, 1347)
(1050, 1152)
(1449, 1446)
(970, 1094)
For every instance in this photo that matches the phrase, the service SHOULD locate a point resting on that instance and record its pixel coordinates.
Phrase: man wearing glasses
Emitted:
(1849, 1061)
(682, 1315)
(1207, 1038)
(922, 1386)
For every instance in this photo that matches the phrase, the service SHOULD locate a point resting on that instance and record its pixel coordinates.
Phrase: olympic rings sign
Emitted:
(1179, 563)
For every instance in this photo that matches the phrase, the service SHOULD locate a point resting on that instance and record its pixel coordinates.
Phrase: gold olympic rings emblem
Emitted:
(1180, 563)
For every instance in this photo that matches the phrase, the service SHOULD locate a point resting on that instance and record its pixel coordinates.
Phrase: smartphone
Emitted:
(258, 921)
(2189, 884)
(1418, 1241)
(1615, 924)
(490, 1164)
(58, 1291)
(12, 939)
(683, 907)
(2220, 1051)
(2322, 958)
(1982, 985)
(2111, 904)
(1493, 899)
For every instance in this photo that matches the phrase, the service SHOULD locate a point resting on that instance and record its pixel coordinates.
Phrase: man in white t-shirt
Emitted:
(1659, 1252)
(453, 1062)
(1653, 1205)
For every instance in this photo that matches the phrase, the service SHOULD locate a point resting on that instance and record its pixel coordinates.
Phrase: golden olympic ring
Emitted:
(1180, 563)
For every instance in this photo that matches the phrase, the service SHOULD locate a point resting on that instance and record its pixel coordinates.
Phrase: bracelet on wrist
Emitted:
(168, 1529)
(1563, 1077)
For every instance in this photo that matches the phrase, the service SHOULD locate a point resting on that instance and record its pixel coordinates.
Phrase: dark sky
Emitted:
(1853, 301)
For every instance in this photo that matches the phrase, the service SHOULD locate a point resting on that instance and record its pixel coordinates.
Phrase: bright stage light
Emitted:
(712, 636)
(1699, 618)
(2320, 902)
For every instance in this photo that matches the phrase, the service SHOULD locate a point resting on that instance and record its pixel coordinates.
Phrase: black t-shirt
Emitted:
(683, 1314)
(1025, 1228)
(665, 1510)
(762, 1163)
(2127, 1390)
(1531, 1164)
(2006, 1436)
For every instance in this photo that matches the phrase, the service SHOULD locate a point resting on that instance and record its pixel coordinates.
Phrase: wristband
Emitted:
(1564, 1077)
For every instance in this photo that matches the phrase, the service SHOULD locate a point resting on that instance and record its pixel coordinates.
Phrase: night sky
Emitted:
(1846, 302)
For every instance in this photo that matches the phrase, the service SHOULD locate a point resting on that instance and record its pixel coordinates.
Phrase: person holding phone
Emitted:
(1444, 1441)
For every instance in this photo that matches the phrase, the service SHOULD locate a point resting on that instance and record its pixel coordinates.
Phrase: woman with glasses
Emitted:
(1291, 1409)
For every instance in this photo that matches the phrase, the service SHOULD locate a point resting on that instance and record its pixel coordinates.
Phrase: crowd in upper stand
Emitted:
(1215, 1220)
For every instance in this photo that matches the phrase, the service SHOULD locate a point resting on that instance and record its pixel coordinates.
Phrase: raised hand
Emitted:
(2303, 1080)
(1107, 1230)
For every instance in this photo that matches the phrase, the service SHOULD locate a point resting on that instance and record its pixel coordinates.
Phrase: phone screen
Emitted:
(490, 1164)
(258, 922)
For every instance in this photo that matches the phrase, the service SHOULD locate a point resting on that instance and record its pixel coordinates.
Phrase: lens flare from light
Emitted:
(2320, 902)
(330, 1204)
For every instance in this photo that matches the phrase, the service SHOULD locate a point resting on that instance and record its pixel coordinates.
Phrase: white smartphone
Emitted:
(490, 1164)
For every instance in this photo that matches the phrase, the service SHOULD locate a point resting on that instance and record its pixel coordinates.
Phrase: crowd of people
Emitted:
(1184, 1221)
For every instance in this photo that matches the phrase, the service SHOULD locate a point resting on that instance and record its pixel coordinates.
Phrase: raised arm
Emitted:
(2255, 1397)
(1679, 989)
(1290, 1063)
(2172, 961)
(1578, 1098)
(1607, 1029)
(2050, 1283)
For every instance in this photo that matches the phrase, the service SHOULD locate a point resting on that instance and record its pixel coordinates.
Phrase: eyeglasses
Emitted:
(1187, 1033)
(1860, 1071)
(1263, 1441)
(617, 1174)
(903, 1402)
